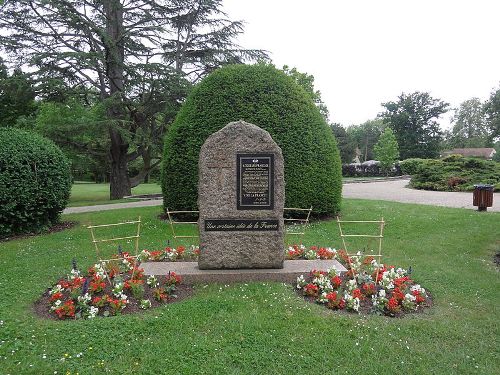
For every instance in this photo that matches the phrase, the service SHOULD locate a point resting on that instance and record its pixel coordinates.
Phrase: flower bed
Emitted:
(367, 287)
(171, 254)
(109, 288)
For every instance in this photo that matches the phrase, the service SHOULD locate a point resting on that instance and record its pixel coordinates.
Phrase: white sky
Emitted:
(363, 52)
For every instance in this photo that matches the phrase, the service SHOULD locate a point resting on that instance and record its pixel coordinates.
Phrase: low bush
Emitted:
(455, 174)
(409, 166)
(35, 182)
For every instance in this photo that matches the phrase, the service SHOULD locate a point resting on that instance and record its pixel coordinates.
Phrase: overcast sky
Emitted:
(366, 52)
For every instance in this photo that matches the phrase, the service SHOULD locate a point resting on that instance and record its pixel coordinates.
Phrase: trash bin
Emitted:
(483, 197)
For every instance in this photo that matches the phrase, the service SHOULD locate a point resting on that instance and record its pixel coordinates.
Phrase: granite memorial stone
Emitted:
(241, 194)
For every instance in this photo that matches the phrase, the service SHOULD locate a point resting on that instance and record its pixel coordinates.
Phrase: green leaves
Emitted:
(35, 182)
(262, 95)
(386, 150)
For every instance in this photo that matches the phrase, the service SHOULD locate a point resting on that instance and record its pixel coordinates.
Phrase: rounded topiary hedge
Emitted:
(262, 95)
(35, 182)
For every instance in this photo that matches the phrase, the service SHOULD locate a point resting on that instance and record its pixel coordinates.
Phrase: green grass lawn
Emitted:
(89, 194)
(265, 328)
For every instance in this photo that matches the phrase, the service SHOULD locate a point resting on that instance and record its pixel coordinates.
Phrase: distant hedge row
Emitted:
(262, 95)
(35, 182)
(455, 173)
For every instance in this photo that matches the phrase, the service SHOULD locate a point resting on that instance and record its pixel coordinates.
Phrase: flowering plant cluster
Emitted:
(170, 254)
(108, 289)
(366, 285)
(314, 252)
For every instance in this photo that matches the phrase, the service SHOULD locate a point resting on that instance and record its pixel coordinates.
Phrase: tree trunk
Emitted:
(119, 186)
(119, 181)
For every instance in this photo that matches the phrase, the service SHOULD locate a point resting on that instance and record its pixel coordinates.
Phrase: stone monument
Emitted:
(241, 194)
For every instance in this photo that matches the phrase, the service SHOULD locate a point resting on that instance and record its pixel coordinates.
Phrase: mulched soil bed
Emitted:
(42, 306)
(496, 259)
(56, 228)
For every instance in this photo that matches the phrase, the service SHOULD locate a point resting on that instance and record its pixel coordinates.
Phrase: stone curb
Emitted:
(191, 274)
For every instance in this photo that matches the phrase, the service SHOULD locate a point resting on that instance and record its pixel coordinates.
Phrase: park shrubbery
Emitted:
(262, 95)
(409, 166)
(35, 182)
(455, 173)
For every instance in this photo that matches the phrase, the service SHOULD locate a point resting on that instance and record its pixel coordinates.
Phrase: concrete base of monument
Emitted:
(191, 274)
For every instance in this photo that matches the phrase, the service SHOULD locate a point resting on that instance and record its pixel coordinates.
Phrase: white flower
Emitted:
(351, 285)
(410, 298)
(145, 304)
(58, 288)
(322, 298)
(93, 312)
(74, 274)
(84, 299)
(152, 281)
(301, 282)
(381, 293)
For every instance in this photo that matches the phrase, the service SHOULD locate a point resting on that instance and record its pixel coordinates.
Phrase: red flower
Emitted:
(311, 290)
(393, 305)
(334, 302)
(397, 294)
(336, 281)
(356, 293)
(369, 289)
(418, 297)
(324, 253)
(56, 296)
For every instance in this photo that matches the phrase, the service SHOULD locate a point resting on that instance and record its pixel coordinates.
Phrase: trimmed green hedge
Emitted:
(456, 174)
(262, 95)
(35, 182)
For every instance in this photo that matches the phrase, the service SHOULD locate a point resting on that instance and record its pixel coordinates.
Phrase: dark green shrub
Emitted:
(262, 95)
(35, 182)
(452, 158)
(409, 166)
(460, 174)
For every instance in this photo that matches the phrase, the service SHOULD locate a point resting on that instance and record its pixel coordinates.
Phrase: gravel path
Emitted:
(391, 190)
(397, 191)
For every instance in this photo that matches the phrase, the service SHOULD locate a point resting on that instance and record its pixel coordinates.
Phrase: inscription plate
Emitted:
(255, 181)
(240, 225)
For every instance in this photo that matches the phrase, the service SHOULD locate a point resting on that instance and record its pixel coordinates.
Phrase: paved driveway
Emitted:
(396, 190)
(391, 190)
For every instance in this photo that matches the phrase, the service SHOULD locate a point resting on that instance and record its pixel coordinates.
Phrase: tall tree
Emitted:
(306, 81)
(386, 149)
(345, 143)
(470, 127)
(137, 55)
(492, 111)
(17, 96)
(364, 136)
(413, 119)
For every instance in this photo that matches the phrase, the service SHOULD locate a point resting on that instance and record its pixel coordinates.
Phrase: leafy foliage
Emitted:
(386, 149)
(413, 120)
(365, 136)
(470, 127)
(409, 166)
(262, 95)
(17, 96)
(492, 111)
(139, 57)
(35, 182)
(345, 143)
(456, 173)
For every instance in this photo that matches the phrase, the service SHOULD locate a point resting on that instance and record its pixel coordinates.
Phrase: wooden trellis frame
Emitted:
(96, 241)
(301, 221)
(173, 223)
(380, 237)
